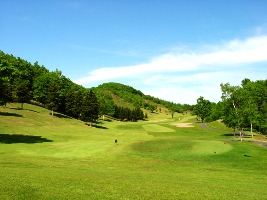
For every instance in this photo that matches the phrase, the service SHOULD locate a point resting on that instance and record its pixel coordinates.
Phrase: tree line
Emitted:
(241, 107)
(125, 114)
(23, 82)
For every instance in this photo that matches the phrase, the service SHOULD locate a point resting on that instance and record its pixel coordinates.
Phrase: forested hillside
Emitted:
(241, 107)
(23, 82)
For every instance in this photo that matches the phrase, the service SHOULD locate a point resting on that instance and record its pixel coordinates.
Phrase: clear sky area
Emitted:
(176, 50)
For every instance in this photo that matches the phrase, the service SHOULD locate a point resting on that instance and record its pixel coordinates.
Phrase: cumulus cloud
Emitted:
(191, 74)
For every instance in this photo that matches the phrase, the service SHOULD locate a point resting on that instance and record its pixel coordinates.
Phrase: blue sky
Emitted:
(176, 50)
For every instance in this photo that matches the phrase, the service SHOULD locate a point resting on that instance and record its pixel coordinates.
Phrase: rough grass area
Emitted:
(46, 157)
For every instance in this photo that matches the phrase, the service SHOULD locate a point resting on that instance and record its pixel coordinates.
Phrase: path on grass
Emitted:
(203, 125)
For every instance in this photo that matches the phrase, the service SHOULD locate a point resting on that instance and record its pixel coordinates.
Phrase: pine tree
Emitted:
(90, 107)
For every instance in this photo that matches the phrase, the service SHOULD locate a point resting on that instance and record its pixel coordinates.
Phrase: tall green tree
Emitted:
(90, 107)
(203, 108)
(232, 104)
(41, 86)
(106, 104)
(174, 108)
(255, 100)
(23, 92)
(7, 75)
(53, 97)
(74, 98)
(216, 111)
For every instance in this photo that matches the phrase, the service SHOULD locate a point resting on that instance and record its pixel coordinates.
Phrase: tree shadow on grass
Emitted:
(236, 134)
(32, 110)
(229, 134)
(18, 108)
(97, 125)
(19, 138)
(59, 115)
(10, 114)
(107, 120)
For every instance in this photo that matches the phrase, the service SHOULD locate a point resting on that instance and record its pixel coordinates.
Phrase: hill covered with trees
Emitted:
(241, 107)
(23, 82)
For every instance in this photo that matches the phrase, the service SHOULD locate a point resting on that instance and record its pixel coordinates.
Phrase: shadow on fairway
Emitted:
(10, 114)
(108, 120)
(236, 134)
(18, 108)
(98, 126)
(60, 115)
(18, 138)
(32, 110)
(228, 134)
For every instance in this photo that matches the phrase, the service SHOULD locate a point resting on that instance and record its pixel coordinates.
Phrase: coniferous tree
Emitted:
(90, 107)
(74, 97)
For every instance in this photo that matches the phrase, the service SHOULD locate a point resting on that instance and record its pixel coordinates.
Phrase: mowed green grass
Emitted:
(62, 158)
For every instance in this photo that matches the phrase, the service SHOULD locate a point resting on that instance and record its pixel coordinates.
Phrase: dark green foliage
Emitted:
(73, 104)
(53, 97)
(23, 92)
(125, 114)
(152, 107)
(245, 107)
(203, 108)
(118, 88)
(90, 107)
(175, 108)
(216, 112)
(106, 103)
(7, 75)
(21, 81)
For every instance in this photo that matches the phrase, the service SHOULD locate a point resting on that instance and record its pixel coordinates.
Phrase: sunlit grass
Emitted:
(152, 160)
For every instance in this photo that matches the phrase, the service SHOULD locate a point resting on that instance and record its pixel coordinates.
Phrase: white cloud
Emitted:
(183, 77)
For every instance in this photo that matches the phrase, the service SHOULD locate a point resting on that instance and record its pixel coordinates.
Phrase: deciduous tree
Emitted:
(203, 108)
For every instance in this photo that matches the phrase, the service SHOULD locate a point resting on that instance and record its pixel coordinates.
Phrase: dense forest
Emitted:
(241, 107)
(23, 82)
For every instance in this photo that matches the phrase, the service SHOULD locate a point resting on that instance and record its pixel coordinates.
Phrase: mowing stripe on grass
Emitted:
(157, 128)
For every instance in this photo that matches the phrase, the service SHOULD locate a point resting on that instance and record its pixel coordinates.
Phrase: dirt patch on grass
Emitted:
(260, 137)
(183, 125)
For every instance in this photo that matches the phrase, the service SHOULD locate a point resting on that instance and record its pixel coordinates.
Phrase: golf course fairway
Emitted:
(57, 157)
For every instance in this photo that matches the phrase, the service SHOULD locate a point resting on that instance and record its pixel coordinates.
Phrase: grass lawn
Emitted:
(45, 157)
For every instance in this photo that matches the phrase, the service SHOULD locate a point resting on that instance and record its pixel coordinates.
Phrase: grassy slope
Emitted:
(85, 163)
